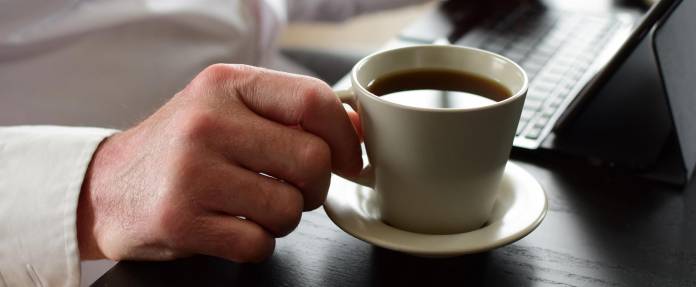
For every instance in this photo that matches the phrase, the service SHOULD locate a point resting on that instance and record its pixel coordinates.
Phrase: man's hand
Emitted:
(222, 169)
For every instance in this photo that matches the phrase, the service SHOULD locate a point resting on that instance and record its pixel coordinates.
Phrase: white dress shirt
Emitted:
(106, 63)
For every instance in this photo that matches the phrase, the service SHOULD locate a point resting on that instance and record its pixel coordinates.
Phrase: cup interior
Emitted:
(475, 61)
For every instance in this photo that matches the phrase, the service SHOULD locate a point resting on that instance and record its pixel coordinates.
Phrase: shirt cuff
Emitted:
(41, 174)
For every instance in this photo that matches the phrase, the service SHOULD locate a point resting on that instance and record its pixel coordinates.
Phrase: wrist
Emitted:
(87, 206)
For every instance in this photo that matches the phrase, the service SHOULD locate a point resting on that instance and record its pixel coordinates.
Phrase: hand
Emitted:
(223, 168)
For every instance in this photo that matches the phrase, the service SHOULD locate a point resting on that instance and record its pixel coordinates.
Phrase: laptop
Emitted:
(562, 45)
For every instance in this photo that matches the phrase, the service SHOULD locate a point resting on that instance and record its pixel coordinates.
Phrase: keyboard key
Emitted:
(527, 114)
(516, 53)
(548, 112)
(520, 128)
(547, 49)
(523, 44)
(541, 122)
(557, 70)
(542, 87)
(539, 59)
(552, 78)
(575, 75)
(555, 102)
(533, 133)
(583, 60)
(473, 38)
(563, 62)
(515, 56)
(565, 90)
(532, 70)
(533, 105)
(536, 95)
(496, 46)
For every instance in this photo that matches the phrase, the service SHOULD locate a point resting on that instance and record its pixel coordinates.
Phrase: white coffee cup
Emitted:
(436, 170)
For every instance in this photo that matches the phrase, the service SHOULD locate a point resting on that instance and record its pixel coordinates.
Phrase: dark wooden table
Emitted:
(603, 228)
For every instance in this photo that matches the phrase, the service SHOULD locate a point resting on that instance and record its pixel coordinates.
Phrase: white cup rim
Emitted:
(519, 93)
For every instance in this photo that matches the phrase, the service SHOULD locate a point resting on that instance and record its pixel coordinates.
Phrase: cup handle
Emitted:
(367, 175)
(347, 97)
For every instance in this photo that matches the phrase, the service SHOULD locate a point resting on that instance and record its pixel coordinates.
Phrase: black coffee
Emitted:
(438, 88)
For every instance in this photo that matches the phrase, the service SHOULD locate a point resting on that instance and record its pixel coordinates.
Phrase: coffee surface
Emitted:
(438, 88)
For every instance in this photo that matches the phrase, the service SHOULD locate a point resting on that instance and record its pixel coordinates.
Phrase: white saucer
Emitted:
(519, 209)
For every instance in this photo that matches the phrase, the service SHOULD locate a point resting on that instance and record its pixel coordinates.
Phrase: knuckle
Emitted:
(284, 204)
(317, 85)
(177, 204)
(289, 213)
(318, 196)
(315, 155)
(196, 125)
(218, 75)
(316, 94)
(315, 161)
(169, 223)
(267, 199)
(214, 74)
(258, 246)
(183, 171)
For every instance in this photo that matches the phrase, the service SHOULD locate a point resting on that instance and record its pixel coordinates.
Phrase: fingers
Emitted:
(295, 156)
(295, 100)
(274, 205)
(292, 128)
(355, 120)
(230, 237)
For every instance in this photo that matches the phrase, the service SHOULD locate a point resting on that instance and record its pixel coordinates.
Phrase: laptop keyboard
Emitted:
(555, 48)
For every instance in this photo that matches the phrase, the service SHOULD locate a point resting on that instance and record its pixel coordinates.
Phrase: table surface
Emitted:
(603, 228)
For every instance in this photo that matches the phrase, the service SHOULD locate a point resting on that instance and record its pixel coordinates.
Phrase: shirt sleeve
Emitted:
(41, 174)
(338, 10)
